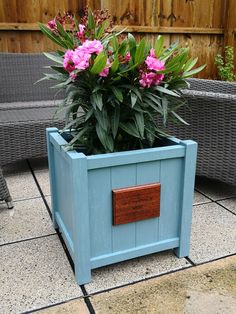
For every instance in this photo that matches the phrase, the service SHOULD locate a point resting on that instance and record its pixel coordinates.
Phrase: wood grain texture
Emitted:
(136, 203)
(206, 26)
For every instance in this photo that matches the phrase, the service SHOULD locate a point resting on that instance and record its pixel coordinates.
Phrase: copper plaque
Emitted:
(136, 203)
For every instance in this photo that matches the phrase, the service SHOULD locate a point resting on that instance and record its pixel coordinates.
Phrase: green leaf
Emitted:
(169, 51)
(117, 92)
(100, 30)
(96, 100)
(132, 44)
(59, 69)
(132, 88)
(115, 119)
(159, 46)
(134, 99)
(105, 139)
(164, 109)
(91, 22)
(115, 64)
(99, 63)
(102, 119)
(56, 39)
(123, 47)
(139, 54)
(139, 120)
(115, 43)
(89, 114)
(179, 118)
(190, 64)
(194, 71)
(68, 39)
(130, 128)
(54, 57)
(166, 91)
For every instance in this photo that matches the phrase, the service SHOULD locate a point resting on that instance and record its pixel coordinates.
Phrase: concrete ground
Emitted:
(36, 273)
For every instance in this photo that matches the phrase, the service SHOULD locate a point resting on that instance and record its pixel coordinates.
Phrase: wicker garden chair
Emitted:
(26, 110)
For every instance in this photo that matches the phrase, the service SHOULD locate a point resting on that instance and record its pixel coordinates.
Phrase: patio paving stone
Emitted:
(71, 307)
(200, 199)
(205, 289)
(28, 219)
(35, 274)
(134, 270)
(213, 233)
(42, 177)
(216, 190)
(22, 186)
(230, 204)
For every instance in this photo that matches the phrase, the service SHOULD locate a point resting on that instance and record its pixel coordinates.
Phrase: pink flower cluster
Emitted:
(52, 26)
(78, 59)
(150, 77)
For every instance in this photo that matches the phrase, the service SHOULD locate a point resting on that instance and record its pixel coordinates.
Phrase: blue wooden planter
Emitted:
(82, 201)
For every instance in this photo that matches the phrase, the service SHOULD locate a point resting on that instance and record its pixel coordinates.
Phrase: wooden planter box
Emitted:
(91, 209)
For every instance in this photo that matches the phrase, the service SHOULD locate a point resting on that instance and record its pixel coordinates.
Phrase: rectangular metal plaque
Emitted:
(136, 203)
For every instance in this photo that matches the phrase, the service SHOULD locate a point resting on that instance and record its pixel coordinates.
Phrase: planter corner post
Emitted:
(189, 170)
(81, 229)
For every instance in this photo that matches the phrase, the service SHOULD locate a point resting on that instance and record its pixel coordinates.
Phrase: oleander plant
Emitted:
(119, 94)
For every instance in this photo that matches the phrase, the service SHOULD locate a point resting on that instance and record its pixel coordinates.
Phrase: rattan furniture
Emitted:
(26, 110)
(212, 117)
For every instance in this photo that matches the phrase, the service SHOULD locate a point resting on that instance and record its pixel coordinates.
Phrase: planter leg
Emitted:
(187, 198)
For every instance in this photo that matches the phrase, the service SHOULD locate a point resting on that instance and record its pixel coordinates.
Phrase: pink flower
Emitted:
(153, 63)
(105, 71)
(81, 29)
(72, 76)
(52, 26)
(81, 58)
(80, 34)
(68, 62)
(127, 57)
(92, 46)
(150, 79)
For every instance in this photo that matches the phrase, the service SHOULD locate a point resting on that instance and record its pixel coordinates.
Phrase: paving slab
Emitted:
(205, 289)
(213, 233)
(22, 186)
(42, 177)
(229, 204)
(72, 307)
(215, 190)
(28, 219)
(200, 198)
(134, 270)
(35, 274)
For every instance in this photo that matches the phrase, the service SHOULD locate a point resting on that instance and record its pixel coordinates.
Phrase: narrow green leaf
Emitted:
(166, 91)
(100, 31)
(132, 45)
(118, 93)
(91, 22)
(44, 29)
(164, 109)
(139, 54)
(194, 71)
(179, 118)
(54, 57)
(115, 64)
(139, 120)
(115, 43)
(68, 39)
(59, 69)
(130, 128)
(99, 63)
(134, 99)
(190, 64)
(102, 119)
(115, 119)
(159, 46)
(96, 100)
(105, 139)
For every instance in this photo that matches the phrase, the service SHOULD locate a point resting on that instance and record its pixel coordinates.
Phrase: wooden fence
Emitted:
(205, 26)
